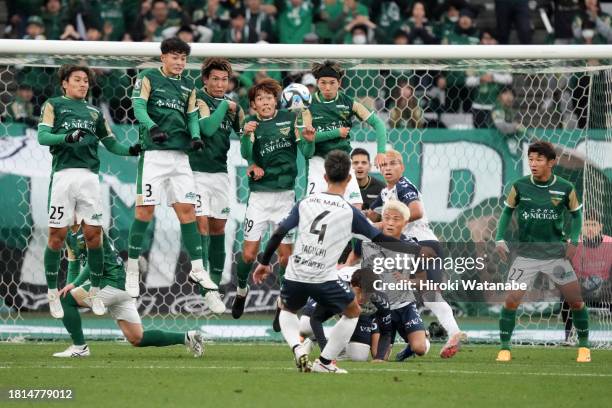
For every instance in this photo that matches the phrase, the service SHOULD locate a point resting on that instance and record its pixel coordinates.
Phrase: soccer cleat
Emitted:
(584, 355)
(504, 355)
(238, 305)
(301, 360)
(331, 368)
(404, 354)
(55, 304)
(202, 277)
(276, 322)
(74, 351)
(194, 343)
(132, 282)
(212, 299)
(453, 345)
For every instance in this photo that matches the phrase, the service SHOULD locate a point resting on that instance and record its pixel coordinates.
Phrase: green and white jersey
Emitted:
(113, 273)
(275, 151)
(540, 207)
(213, 157)
(63, 115)
(169, 100)
(334, 114)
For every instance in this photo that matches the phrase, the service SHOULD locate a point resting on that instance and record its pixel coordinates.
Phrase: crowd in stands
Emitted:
(411, 99)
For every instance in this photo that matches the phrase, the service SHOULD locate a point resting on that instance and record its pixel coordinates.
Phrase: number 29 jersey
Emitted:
(325, 223)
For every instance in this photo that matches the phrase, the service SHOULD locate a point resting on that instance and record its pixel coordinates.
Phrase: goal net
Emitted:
(461, 116)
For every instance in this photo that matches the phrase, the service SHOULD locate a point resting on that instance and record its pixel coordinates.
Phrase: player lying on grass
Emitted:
(73, 129)
(405, 318)
(541, 200)
(325, 222)
(165, 106)
(372, 335)
(219, 118)
(270, 145)
(333, 112)
(400, 188)
(112, 297)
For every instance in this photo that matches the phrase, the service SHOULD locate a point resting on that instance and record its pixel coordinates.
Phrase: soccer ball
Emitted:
(296, 97)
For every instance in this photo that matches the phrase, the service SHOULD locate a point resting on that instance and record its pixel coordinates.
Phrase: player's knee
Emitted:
(216, 227)
(353, 310)
(283, 260)
(576, 304)
(249, 256)
(203, 226)
(421, 347)
(134, 338)
(56, 238)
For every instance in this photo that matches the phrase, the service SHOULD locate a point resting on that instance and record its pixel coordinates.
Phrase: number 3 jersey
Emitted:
(326, 223)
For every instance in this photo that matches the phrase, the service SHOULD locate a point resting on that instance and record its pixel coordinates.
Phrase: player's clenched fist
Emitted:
(261, 273)
(158, 135)
(250, 127)
(75, 136)
(255, 172)
(309, 133)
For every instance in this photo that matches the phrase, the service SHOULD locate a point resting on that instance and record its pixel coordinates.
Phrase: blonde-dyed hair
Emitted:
(395, 154)
(399, 207)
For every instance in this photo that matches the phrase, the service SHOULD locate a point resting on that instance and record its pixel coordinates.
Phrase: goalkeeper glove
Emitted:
(75, 136)
(158, 135)
(135, 149)
(197, 144)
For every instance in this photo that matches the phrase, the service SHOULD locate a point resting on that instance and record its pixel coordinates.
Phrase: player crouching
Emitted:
(114, 298)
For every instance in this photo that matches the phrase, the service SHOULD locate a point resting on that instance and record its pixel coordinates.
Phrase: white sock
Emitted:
(52, 291)
(242, 291)
(305, 329)
(290, 328)
(132, 264)
(198, 265)
(444, 313)
(339, 337)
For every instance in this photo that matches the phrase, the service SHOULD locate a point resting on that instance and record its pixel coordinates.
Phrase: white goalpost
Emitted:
(462, 141)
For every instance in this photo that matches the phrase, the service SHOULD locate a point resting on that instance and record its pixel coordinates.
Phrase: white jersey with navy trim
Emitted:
(325, 224)
(406, 192)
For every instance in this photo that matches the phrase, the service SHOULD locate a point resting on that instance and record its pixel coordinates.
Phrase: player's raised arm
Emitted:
(372, 119)
(192, 122)
(246, 141)
(305, 133)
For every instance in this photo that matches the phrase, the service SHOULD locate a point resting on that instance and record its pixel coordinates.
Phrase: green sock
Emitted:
(217, 257)
(52, 263)
(95, 261)
(507, 320)
(160, 338)
(137, 233)
(205, 245)
(192, 240)
(281, 275)
(581, 322)
(73, 270)
(243, 270)
(72, 320)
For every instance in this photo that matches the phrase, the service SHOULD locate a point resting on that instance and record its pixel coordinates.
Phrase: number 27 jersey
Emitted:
(325, 223)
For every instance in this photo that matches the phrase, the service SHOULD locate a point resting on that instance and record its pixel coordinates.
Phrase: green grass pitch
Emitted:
(263, 375)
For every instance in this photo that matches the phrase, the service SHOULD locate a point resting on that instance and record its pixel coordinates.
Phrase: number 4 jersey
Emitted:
(326, 222)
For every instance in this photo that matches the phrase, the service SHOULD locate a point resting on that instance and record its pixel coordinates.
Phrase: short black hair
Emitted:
(364, 278)
(175, 45)
(67, 69)
(236, 12)
(542, 148)
(337, 166)
(359, 150)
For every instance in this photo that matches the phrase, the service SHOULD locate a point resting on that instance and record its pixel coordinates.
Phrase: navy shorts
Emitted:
(334, 295)
(436, 272)
(406, 320)
(364, 329)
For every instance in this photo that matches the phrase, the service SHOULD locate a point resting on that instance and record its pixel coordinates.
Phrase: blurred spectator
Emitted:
(591, 25)
(563, 12)
(93, 34)
(353, 13)
(310, 82)
(513, 12)
(328, 11)
(70, 34)
(156, 18)
(190, 33)
(386, 14)
(18, 12)
(21, 108)
(112, 14)
(418, 27)
(438, 103)
(504, 119)
(487, 86)
(215, 17)
(359, 34)
(406, 113)
(401, 38)
(294, 21)
(239, 31)
(449, 19)
(258, 22)
(54, 19)
(35, 29)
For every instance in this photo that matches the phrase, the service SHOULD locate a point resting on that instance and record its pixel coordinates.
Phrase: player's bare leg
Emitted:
(580, 316)
(507, 321)
(52, 256)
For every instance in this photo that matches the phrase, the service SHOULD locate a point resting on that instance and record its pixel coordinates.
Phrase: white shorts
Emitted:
(265, 210)
(120, 305)
(525, 270)
(212, 195)
(74, 197)
(168, 171)
(317, 183)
